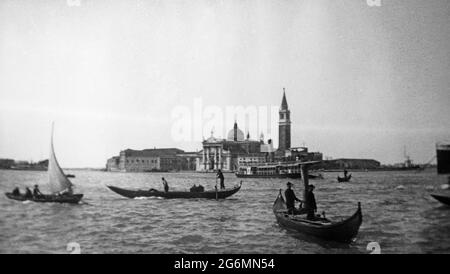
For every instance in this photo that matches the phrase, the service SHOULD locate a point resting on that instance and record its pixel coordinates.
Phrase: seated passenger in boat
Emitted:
(310, 203)
(28, 193)
(16, 191)
(36, 191)
(290, 200)
(66, 192)
(193, 189)
(198, 188)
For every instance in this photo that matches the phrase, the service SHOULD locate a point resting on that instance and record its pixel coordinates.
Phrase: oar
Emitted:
(216, 189)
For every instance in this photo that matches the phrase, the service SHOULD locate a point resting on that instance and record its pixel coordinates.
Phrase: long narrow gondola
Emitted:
(211, 194)
(343, 231)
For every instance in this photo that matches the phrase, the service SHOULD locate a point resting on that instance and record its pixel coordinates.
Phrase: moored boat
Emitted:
(211, 194)
(343, 231)
(60, 186)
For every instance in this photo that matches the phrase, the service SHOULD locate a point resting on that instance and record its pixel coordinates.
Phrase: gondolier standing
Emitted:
(310, 203)
(221, 178)
(165, 184)
(290, 199)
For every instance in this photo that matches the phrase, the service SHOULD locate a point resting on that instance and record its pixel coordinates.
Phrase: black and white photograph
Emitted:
(252, 127)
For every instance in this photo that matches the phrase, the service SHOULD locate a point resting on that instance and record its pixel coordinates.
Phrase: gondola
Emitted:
(211, 194)
(445, 199)
(70, 199)
(344, 179)
(343, 231)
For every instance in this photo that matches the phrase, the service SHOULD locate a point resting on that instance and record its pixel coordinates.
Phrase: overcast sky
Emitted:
(360, 81)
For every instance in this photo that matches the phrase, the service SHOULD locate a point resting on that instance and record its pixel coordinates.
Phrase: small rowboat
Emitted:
(211, 194)
(445, 199)
(344, 179)
(343, 231)
(70, 199)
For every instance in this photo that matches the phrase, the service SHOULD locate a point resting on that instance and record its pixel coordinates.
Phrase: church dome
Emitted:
(235, 134)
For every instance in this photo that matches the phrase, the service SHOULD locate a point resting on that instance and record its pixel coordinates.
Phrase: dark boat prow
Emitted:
(211, 194)
(344, 231)
(445, 199)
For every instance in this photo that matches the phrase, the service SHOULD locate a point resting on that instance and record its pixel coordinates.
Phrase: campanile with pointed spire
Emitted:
(284, 126)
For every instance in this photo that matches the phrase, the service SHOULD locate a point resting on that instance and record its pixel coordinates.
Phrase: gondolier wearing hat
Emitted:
(290, 199)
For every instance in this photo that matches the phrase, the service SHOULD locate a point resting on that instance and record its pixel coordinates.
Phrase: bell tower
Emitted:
(284, 125)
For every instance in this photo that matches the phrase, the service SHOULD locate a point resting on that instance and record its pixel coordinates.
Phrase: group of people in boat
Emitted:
(308, 206)
(195, 188)
(28, 193)
(36, 193)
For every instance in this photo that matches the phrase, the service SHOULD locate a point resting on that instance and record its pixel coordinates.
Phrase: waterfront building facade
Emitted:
(151, 160)
(223, 154)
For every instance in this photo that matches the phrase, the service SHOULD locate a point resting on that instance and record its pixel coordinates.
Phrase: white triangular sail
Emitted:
(56, 178)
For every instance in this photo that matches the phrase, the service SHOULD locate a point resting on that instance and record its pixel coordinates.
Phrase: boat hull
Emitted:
(220, 194)
(63, 199)
(442, 198)
(344, 231)
(344, 179)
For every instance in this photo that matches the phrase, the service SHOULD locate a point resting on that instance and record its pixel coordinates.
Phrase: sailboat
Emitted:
(59, 185)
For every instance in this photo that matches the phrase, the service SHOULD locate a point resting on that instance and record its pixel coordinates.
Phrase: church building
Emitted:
(236, 150)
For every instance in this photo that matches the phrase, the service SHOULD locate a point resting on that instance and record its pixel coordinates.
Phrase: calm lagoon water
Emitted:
(401, 219)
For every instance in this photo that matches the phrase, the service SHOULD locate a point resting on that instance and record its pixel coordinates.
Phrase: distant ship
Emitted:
(406, 165)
